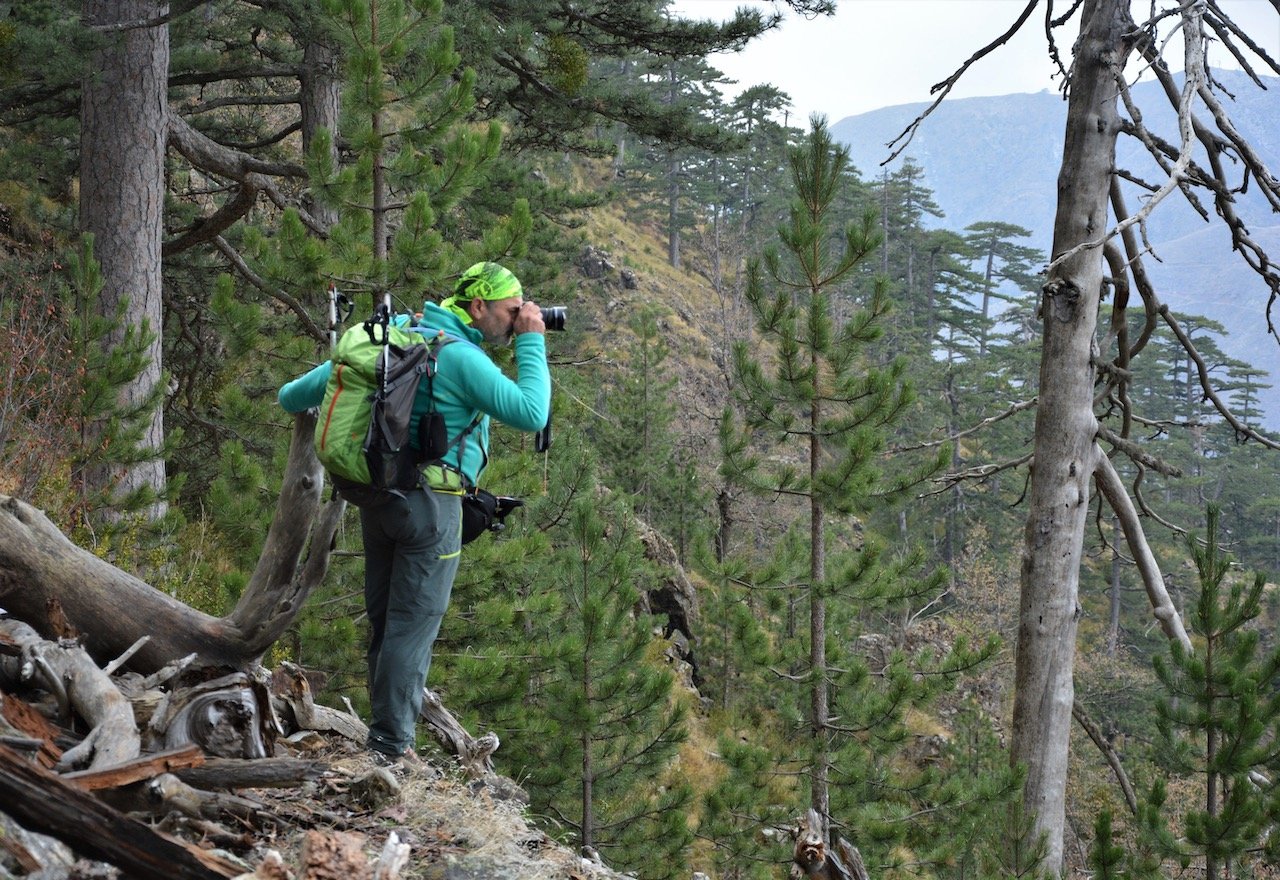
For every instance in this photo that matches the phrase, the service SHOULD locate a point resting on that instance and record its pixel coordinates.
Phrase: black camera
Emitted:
(505, 505)
(553, 317)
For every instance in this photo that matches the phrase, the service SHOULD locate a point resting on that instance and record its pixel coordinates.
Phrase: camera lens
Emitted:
(553, 317)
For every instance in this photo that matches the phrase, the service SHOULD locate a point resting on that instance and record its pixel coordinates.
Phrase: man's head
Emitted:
(488, 296)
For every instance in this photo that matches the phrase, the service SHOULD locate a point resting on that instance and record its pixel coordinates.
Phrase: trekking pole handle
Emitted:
(542, 439)
(381, 318)
(333, 315)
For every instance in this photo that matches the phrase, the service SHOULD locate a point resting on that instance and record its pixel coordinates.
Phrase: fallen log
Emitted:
(136, 771)
(230, 717)
(292, 689)
(114, 609)
(474, 754)
(41, 802)
(229, 773)
(26, 720)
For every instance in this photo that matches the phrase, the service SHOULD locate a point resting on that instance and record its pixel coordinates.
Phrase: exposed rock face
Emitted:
(676, 599)
(595, 263)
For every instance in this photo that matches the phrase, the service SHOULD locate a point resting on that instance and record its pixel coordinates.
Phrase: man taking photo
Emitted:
(412, 541)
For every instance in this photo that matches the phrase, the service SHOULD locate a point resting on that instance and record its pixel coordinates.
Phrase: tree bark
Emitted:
(321, 97)
(1065, 453)
(113, 608)
(124, 124)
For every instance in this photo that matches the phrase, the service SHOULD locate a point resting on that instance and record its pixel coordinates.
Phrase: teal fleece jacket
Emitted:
(467, 383)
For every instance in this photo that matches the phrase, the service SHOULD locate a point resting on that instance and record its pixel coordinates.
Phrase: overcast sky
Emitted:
(878, 53)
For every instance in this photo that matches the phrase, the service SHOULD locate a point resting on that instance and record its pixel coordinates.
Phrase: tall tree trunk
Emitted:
(320, 101)
(123, 127)
(820, 796)
(1113, 619)
(673, 211)
(1065, 451)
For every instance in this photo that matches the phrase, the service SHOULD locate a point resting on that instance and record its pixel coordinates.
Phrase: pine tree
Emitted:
(1220, 715)
(113, 353)
(820, 391)
(568, 83)
(545, 647)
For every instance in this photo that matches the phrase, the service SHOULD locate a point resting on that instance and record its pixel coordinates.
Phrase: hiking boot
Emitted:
(407, 760)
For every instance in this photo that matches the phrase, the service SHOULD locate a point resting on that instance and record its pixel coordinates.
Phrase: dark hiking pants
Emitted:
(411, 549)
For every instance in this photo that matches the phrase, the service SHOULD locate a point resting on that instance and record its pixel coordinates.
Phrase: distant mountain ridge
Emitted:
(998, 159)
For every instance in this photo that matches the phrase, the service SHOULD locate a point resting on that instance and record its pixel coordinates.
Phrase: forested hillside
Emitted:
(778, 553)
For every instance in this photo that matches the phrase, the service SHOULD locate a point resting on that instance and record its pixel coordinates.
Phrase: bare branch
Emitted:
(208, 228)
(201, 78)
(208, 155)
(945, 87)
(1112, 488)
(980, 472)
(933, 444)
(1193, 84)
(1202, 371)
(1228, 31)
(242, 101)
(1147, 510)
(1113, 760)
(1138, 454)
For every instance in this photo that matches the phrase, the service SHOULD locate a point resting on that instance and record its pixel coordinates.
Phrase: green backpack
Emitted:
(362, 436)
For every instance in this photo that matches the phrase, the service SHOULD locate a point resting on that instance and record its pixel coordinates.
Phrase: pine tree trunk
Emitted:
(673, 212)
(820, 796)
(320, 100)
(1065, 451)
(123, 128)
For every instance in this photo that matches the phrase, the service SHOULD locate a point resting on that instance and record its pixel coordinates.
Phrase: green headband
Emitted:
(488, 281)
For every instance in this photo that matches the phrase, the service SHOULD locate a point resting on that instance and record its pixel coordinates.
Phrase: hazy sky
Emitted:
(877, 53)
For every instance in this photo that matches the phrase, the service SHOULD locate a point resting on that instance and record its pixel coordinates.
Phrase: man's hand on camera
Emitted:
(529, 319)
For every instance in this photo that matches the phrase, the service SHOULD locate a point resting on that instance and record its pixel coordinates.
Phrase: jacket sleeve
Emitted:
(524, 404)
(305, 391)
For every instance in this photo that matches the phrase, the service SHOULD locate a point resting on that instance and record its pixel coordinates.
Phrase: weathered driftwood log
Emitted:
(114, 609)
(34, 852)
(67, 670)
(230, 717)
(168, 792)
(41, 802)
(474, 754)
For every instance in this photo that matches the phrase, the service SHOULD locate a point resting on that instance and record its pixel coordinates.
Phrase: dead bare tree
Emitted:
(1098, 243)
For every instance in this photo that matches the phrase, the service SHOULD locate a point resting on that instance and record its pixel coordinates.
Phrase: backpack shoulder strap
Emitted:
(438, 339)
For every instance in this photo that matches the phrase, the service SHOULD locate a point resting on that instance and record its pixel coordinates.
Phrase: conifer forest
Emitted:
(964, 546)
